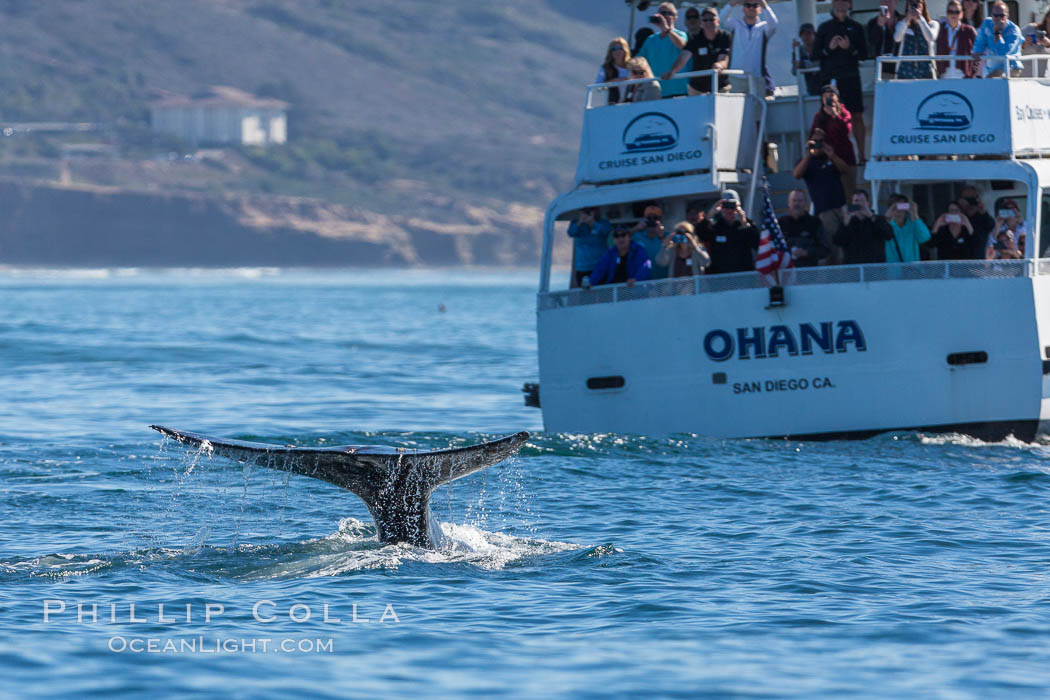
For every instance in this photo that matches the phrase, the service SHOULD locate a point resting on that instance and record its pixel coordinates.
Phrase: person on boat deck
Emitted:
(639, 39)
(662, 48)
(590, 237)
(863, 234)
(626, 262)
(835, 120)
(917, 36)
(1007, 239)
(1037, 41)
(638, 68)
(955, 39)
(954, 238)
(880, 36)
(803, 232)
(614, 67)
(805, 57)
(973, 208)
(750, 37)
(731, 240)
(692, 22)
(821, 169)
(649, 233)
(841, 46)
(998, 41)
(694, 214)
(909, 231)
(709, 49)
(973, 14)
(683, 255)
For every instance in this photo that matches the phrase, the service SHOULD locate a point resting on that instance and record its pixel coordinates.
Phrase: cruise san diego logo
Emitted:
(946, 110)
(651, 131)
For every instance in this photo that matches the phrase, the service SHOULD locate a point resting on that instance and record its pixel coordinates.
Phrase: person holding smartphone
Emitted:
(1007, 239)
(909, 231)
(863, 234)
(880, 36)
(917, 36)
(1036, 41)
(954, 237)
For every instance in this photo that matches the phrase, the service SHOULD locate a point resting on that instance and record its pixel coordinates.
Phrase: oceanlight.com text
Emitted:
(219, 645)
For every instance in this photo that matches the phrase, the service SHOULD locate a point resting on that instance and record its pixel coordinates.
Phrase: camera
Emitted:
(818, 144)
(679, 238)
(1040, 35)
(829, 101)
(853, 207)
(655, 19)
(729, 204)
(652, 221)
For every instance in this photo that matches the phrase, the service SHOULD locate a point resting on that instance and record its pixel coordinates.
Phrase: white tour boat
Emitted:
(960, 346)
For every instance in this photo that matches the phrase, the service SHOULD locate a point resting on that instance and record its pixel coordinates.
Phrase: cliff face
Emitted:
(90, 226)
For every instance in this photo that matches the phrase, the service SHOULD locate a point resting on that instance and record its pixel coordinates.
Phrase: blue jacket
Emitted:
(1009, 45)
(639, 267)
(591, 242)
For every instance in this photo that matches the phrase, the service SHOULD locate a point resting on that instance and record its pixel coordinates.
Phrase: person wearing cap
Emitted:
(625, 263)
(841, 46)
(835, 120)
(708, 49)
(590, 236)
(662, 48)
(649, 233)
(750, 37)
(731, 240)
(1006, 242)
(804, 57)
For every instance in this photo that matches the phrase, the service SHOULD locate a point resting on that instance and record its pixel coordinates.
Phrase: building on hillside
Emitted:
(221, 114)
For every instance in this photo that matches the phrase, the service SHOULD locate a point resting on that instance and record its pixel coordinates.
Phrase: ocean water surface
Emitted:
(589, 566)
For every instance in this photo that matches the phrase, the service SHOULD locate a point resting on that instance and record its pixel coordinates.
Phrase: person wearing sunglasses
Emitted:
(998, 43)
(662, 48)
(637, 69)
(955, 39)
(683, 254)
(709, 49)
(750, 36)
(614, 67)
(625, 263)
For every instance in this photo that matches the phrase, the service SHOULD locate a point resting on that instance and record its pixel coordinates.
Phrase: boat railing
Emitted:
(831, 274)
(896, 60)
(595, 88)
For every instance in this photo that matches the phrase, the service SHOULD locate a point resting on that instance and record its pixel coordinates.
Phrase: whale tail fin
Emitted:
(395, 483)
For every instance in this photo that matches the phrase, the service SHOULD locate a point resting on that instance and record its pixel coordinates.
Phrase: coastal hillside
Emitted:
(413, 109)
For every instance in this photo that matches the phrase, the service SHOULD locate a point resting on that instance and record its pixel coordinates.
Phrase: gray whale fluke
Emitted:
(395, 483)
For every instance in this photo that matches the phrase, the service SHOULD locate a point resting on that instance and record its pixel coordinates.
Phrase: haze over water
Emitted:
(590, 565)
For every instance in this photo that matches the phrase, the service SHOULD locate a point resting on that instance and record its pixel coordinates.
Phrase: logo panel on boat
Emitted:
(945, 110)
(651, 131)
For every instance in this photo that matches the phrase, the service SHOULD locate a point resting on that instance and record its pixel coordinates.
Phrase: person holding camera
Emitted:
(880, 36)
(1008, 235)
(683, 254)
(625, 263)
(662, 48)
(917, 36)
(649, 233)
(998, 43)
(953, 236)
(730, 239)
(1036, 41)
(836, 122)
(955, 39)
(821, 169)
(841, 46)
(708, 49)
(909, 231)
(803, 232)
(590, 237)
(863, 234)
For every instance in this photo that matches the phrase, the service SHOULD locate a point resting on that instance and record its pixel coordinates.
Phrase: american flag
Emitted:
(773, 253)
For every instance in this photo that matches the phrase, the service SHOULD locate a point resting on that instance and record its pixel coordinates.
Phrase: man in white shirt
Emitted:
(750, 35)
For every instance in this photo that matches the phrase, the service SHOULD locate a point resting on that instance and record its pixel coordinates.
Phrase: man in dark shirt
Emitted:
(863, 234)
(840, 46)
(820, 168)
(728, 236)
(626, 261)
(971, 205)
(803, 232)
(709, 48)
(806, 58)
(880, 36)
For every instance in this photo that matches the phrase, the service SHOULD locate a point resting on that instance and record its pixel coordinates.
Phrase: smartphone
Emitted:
(903, 206)
(953, 218)
(1006, 213)
(884, 10)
